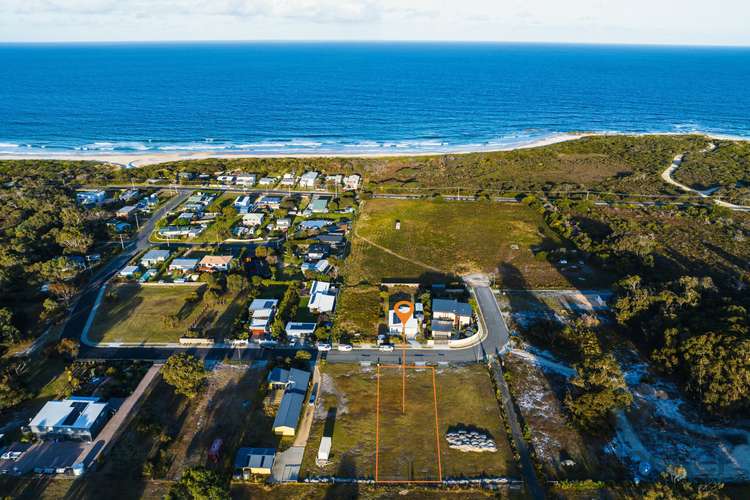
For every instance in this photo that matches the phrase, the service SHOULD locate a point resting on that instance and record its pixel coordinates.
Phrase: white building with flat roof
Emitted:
(308, 180)
(75, 418)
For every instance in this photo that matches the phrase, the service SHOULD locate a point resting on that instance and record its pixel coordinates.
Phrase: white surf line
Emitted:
(667, 177)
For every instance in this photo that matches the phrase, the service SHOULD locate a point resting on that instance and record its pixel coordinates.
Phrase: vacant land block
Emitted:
(346, 410)
(134, 313)
(457, 238)
(172, 432)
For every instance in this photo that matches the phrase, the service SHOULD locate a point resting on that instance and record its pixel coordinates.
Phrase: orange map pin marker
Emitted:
(404, 310)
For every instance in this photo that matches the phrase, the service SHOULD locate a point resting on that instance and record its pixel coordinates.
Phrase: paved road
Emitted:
(139, 242)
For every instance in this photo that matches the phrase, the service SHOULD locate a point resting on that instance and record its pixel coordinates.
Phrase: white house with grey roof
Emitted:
(460, 313)
(75, 418)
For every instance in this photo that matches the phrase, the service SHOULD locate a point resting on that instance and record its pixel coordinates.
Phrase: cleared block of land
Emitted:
(408, 445)
(134, 313)
(346, 410)
(454, 237)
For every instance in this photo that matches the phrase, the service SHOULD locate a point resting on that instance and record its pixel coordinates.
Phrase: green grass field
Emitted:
(456, 238)
(346, 411)
(137, 314)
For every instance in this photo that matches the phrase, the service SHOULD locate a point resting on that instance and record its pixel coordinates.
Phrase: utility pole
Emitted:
(137, 224)
(122, 244)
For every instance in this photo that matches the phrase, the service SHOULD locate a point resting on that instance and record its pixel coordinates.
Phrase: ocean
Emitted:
(270, 98)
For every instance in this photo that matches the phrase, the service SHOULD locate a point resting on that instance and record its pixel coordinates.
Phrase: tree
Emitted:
(185, 373)
(68, 349)
(236, 282)
(74, 239)
(199, 483)
(302, 356)
(11, 393)
(8, 331)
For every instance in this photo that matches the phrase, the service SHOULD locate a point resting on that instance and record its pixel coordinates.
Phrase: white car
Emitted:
(324, 347)
(385, 347)
(344, 347)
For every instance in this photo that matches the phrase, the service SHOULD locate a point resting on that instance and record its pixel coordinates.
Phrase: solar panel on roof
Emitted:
(77, 409)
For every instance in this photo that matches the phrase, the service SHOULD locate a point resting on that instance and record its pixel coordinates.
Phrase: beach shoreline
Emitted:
(133, 160)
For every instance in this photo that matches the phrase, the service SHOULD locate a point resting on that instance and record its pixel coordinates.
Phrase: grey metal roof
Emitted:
(293, 400)
(451, 306)
(254, 457)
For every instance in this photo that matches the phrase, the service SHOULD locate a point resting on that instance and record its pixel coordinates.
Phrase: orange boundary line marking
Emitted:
(437, 426)
(377, 423)
(377, 429)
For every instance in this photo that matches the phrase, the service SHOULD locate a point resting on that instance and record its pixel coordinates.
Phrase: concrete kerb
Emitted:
(90, 320)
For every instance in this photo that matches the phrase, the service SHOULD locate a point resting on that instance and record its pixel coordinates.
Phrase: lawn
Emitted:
(408, 449)
(137, 314)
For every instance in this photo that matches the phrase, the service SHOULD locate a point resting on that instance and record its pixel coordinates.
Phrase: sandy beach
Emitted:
(132, 160)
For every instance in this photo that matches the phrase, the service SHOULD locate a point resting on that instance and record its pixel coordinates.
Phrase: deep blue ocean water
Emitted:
(363, 97)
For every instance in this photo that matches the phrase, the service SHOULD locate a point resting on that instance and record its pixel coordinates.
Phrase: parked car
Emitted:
(324, 347)
(344, 347)
(386, 348)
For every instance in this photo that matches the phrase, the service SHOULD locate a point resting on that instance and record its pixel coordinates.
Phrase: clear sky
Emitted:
(719, 22)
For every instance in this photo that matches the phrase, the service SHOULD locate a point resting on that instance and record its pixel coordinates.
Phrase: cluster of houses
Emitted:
(308, 180)
(449, 316)
(181, 269)
(133, 202)
(193, 218)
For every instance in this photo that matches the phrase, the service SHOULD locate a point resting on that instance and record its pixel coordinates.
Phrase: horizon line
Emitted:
(372, 41)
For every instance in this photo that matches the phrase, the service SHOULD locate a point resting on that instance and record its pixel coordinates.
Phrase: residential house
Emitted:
(199, 198)
(298, 331)
(254, 461)
(245, 180)
(322, 297)
(318, 205)
(258, 304)
(321, 267)
(262, 312)
(87, 198)
(335, 180)
(288, 180)
(75, 418)
(119, 226)
(128, 271)
(267, 181)
(290, 409)
(460, 313)
(183, 265)
(225, 179)
(396, 327)
(441, 330)
(178, 231)
(351, 182)
(242, 204)
(186, 176)
(126, 212)
(283, 224)
(211, 263)
(269, 201)
(187, 216)
(308, 180)
(154, 257)
(314, 224)
(317, 251)
(335, 240)
(130, 194)
(253, 219)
